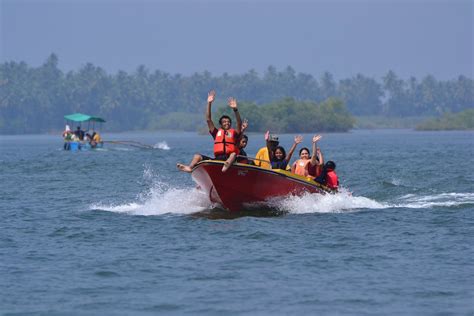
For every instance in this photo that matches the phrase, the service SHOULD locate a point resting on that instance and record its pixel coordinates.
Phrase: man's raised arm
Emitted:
(233, 104)
(210, 98)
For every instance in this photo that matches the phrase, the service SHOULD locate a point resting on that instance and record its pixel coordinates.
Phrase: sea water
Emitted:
(119, 231)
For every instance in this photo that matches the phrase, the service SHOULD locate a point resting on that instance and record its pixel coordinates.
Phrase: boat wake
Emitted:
(346, 202)
(329, 203)
(436, 200)
(163, 198)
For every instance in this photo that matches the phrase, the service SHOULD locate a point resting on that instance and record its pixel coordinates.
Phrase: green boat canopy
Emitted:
(79, 117)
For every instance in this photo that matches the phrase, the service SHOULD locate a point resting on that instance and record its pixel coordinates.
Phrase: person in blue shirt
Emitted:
(278, 157)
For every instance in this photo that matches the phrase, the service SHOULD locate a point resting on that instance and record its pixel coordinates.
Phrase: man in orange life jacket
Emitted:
(226, 139)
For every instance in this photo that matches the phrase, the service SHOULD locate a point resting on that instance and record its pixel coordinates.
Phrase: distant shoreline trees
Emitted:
(34, 99)
(460, 121)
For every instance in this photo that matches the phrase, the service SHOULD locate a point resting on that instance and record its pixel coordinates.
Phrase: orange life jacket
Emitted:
(225, 142)
(301, 167)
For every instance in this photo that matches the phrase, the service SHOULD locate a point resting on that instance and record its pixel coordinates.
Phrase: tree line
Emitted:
(34, 99)
(463, 120)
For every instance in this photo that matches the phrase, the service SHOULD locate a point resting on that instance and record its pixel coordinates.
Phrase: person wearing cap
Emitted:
(262, 159)
(67, 135)
(226, 138)
(67, 130)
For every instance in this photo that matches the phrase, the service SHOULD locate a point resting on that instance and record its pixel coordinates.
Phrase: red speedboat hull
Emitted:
(244, 184)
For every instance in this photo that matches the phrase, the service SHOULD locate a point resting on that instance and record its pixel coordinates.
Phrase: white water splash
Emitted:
(159, 200)
(437, 200)
(161, 145)
(328, 203)
(346, 202)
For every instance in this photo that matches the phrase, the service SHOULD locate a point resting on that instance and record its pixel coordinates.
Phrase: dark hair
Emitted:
(245, 137)
(304, 148)
(330, 165)
(282, 150)
(223, 117)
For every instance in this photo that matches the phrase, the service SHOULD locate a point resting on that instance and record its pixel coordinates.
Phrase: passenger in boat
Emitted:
(67, 135)
(79, 133)
(317, 161)
(242, 158)
(67, 130)
(226, 138)
(300, 166)
(88, 137)
(94, 139)
(262, 159)
(328, 176)
(278, 157)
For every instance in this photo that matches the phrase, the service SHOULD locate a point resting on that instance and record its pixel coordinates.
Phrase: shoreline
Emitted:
(58, 134)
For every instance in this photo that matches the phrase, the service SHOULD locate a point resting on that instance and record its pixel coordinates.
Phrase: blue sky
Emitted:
(343, 37)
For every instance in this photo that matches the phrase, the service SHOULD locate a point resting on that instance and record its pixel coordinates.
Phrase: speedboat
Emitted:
(243, 185)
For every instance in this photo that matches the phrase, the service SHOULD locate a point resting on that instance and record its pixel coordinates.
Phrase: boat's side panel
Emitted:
(241, 184)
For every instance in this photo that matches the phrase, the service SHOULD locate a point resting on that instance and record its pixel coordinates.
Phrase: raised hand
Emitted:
(245, 124)
(232, 102)
(298, 139)
(267, 135)
(210, 96)
(316, 138)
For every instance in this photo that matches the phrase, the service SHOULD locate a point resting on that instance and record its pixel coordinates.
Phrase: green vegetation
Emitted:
(291, 116)
(380, 122)
(460, 121)
(34, 99)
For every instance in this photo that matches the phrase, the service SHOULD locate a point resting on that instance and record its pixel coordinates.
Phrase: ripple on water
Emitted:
(106, 274)
(123, 232)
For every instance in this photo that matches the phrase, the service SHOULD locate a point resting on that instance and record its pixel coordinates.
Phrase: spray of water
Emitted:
(161, 145)
(162, 198)
(330, 203)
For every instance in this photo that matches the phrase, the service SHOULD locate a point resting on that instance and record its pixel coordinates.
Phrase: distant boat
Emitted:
(243, 185)
(86, 142)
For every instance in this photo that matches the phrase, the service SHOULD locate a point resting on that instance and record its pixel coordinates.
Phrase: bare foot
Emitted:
(226, 166)
(182, 167)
